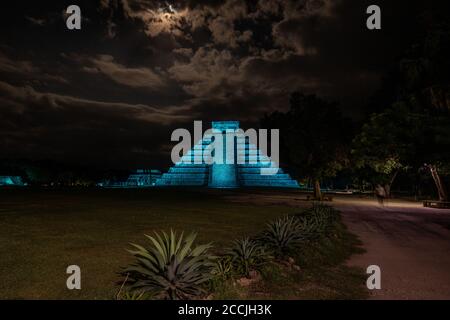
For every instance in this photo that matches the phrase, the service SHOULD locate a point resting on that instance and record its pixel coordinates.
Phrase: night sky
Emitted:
(111, 93)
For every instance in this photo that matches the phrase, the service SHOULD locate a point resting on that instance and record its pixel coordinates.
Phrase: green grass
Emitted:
(322, 275)
(44, 231)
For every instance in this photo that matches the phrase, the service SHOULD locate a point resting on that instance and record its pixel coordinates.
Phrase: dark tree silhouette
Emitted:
(412, 130)
(314, 137)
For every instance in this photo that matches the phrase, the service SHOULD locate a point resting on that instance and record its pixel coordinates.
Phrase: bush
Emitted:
(247, 255)
(283, 235)
(170, 268)
(223, 268)
(323, 210)
(134, 295)
(317, 220)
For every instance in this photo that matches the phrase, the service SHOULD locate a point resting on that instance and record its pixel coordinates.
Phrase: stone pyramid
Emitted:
(192, 170)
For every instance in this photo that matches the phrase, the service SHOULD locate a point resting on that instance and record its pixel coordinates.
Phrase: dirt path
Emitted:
(410, 244)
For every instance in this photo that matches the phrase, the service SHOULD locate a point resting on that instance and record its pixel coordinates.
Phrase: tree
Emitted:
(400, 139)
(382, 146)
(435, 152)
(314, 136)
(411, 129)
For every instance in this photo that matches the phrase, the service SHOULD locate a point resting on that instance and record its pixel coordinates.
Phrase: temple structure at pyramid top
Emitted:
(193, 170)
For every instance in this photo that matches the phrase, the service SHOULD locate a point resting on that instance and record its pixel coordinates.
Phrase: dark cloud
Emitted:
(112, 92)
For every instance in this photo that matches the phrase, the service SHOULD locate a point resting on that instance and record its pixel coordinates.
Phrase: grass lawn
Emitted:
(44, 231)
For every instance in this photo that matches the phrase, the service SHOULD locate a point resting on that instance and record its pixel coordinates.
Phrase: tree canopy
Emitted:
(314, 136)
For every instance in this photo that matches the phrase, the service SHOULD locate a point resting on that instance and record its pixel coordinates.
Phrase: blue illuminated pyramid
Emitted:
(193, 170)
(11, 181)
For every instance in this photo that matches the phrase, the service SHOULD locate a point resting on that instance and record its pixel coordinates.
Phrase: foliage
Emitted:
(170, 268)
(223, 268)
(247, 255)
(133, 295)
(317, 220)
(283, 235)
(411, 126)
(317, 226)
(384, 143)
(314, 136)
(400, 139)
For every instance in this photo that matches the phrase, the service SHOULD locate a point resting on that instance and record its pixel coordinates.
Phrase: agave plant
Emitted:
(313, 227)
(170, 268)
(283, 235)
(326, 215)
(135, 295)
(247, 255)
(324, 211)
(316, 220)
(223, 268)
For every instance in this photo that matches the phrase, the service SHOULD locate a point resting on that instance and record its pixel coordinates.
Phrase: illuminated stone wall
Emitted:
(226, 175)
(11, 181)
(142, 178)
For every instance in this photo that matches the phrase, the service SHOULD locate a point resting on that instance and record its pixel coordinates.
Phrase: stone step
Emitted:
(271, 183)
(176, 170)
(254, 170)
(277, 176)
(180, 182)
(193, 176)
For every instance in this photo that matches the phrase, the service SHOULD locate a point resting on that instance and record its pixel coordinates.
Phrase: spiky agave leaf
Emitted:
(247, 254)
(283, 235)
(223, 268)
(135, 295)
(313, 227)
(170, 268)
(317, 220)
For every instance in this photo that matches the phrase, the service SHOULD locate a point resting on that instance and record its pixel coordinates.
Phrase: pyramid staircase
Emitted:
(193, 171)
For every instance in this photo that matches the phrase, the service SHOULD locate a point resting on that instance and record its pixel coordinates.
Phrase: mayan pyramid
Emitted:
(193, 171)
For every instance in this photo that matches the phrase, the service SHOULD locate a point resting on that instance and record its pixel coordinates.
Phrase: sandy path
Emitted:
(411, 244)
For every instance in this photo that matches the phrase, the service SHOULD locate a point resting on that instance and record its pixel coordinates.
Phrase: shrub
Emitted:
(170, 268)
(283, 235)
(313, 226)
(222, 272)
(223, 268)
(316, 221)
(247, 255)
(135, 295)
(323, 210)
